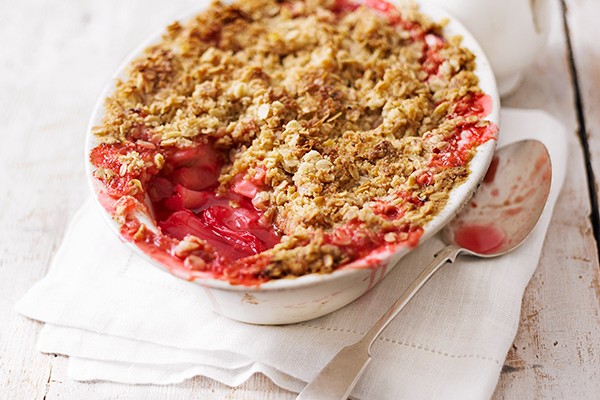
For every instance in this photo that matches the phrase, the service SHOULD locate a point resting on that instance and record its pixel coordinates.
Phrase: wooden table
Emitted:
(55, 57)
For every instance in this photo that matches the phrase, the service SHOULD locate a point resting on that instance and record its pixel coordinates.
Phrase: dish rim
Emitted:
(458, 198)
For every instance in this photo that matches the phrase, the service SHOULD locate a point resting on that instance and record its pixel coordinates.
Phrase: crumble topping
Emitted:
(344, 125)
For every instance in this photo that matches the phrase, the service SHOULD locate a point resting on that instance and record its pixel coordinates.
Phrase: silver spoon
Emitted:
(499, 218)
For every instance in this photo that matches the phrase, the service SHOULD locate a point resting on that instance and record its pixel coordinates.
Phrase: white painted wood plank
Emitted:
(30, 175)
(557, 350)
(582, 18)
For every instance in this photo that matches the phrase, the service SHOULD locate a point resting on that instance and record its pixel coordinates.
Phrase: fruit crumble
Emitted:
(271, 139)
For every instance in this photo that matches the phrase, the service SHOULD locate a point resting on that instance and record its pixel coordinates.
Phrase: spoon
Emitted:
(499, 217)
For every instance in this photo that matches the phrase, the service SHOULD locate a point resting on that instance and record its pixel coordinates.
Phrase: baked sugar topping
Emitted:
(277, 139)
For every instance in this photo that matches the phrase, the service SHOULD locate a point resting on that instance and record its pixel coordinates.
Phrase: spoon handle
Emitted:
(336, 380)
(447, 254)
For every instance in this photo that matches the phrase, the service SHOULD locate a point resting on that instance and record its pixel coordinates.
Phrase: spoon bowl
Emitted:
(498, 219)
(508, 203)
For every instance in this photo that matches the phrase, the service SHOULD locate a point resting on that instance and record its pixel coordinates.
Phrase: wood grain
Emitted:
(556, 353)
(582, 19)
(55, 59)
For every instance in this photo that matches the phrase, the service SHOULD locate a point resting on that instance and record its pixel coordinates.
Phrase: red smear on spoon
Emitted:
(482, 239)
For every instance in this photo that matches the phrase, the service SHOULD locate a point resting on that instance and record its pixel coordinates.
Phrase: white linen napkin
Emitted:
(122, 320)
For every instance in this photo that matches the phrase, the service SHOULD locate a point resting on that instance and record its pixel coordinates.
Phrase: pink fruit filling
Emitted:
(185, 202)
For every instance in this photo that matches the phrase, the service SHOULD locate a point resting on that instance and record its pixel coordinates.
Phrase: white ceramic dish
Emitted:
(294, 300)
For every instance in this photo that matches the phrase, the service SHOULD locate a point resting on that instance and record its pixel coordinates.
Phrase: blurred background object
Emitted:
(513, 33)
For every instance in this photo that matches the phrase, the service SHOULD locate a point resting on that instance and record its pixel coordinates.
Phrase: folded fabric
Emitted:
(120, 319)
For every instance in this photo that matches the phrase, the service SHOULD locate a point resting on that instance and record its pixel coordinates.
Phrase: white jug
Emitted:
(511, 32)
